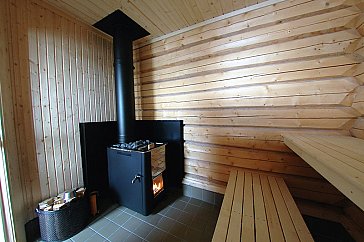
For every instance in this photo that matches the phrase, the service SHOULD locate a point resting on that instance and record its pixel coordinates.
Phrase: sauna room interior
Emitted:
(270, 94)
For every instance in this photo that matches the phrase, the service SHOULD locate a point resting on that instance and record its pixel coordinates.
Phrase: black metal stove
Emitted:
(136, 177)
(97, 137)
(131, 164)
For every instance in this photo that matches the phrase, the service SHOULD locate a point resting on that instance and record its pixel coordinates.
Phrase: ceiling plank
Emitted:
(159, 17)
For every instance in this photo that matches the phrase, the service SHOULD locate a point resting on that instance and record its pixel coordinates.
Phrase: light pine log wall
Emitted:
(71, 82)
(241, 82)
(358, 102)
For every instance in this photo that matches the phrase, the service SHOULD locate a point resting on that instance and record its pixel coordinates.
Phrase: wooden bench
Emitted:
(258, 207)
(339, 159)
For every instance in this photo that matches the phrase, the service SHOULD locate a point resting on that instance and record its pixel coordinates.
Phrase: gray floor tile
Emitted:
(119, 235)
(198, 224)
(156, 235)
(108, 230)
(143, 230)
(205, 238)
(209, 231)
(186, 190)
(83, 235)
(192, 209)
(173, 213)
(99, 224)
(195, 201)
(182, 219)
(166, 224)
(196, 193)
(185, 218)
(132, 224)
(208, 196)
(129, 211)
(96, 238)
(208, 206)
(133, 238)
(218, 199)
(140, 216)
(178, 229)
(171, 238)
(122, 208)
(113, 214)
(210, 227)
(164, 211)
(179, 204)
(192, 235)
(153, 219)
(184, 199)
(121, 218)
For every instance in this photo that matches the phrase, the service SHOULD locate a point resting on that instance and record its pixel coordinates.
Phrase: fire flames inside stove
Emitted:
(157, 184)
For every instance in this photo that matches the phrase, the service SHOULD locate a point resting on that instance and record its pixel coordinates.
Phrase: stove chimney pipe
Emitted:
(124, 31)
(124, 85)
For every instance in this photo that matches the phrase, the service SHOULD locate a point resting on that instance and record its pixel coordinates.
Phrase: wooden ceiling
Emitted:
(159, 17)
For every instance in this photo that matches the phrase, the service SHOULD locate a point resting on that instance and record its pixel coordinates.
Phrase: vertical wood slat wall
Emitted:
(71, 82)
(19, 133)
(241, 82)
(13, 116)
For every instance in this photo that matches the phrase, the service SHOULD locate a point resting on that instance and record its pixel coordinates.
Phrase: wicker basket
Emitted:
(64, 223)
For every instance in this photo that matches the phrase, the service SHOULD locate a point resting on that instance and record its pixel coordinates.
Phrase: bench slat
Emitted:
(332, 151)
(342, 175)
(234, 232)
(248, 212)
(275, 230)
(261, 226)
(352, 144)
(257, 207)
(289, 231)
(301, 228)
(340, 146)
(225, 211)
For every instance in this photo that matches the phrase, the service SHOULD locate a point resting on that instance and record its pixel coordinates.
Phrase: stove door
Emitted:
(126, 178)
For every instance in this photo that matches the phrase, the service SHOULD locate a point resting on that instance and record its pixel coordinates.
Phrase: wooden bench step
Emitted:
(339, 159)
(258, 207)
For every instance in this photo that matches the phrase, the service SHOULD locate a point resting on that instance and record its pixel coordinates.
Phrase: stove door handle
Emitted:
(136, 177)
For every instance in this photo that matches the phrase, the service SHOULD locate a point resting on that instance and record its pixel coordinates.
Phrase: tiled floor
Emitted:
(175, 219)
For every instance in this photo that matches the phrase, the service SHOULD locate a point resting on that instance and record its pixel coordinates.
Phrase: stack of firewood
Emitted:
(62, 200)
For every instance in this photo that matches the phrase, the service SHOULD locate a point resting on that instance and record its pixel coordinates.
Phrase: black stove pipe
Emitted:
(124, 85)
(124, 31)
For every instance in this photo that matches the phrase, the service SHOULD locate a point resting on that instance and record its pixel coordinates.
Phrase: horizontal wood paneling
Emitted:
(358, 128)
(240, 83)
(71, 82)
(358, 103)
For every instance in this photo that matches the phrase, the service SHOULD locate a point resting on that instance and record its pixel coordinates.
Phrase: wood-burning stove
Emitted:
(136, 177)
(132, 173)
(95, 139)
